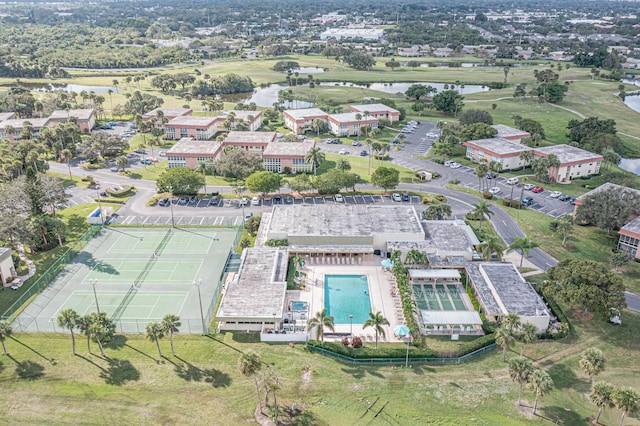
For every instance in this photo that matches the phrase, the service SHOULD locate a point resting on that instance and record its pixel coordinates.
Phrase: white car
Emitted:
(495, 190)
(343, 152)
(555, 194)
(529, 186)
(162, 153)
(512, 181)
(448, 163)
(244, 201)
(396, 197)
(338, 198)
(255, 201)
(455, 165)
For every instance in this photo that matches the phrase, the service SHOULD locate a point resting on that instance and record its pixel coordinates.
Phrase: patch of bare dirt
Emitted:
(577, 314)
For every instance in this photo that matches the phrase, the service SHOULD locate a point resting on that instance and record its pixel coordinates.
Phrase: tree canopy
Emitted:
(448, 101)
(263, 182)
(472, 116)
(477, 131)
(585, 284)
(385, 177)
(238, 163)
(180, 181)
(608, 209)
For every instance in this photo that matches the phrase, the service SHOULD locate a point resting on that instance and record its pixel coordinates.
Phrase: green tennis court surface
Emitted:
(139, 275)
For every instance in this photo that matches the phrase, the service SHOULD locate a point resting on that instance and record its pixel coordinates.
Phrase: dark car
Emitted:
(183, 201)
(564, 197)
(214, 200)
(492, 175)
(405, 197)
(277, 199)
(163, 202)
(364, 153)
(288, 199)
(527, 201)
(573, 200)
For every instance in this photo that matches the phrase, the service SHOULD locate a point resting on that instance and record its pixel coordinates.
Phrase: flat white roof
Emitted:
(568, 153)
(192, 120)
(80, 114)
(191, 146)
(373, 108)
(236, 136)
(506, 131)
(498, 145)
(258, 291)
(300, 114)
(351, 117)
(281, 148)
(434, 273)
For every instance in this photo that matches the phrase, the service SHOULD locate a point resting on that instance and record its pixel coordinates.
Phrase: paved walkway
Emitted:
(25, 259)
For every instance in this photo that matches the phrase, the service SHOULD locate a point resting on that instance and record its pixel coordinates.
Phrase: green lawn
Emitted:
(48, 384)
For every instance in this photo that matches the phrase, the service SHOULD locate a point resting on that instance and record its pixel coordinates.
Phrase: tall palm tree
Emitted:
(526, 157)
(482, 210)
(171, 324)
(564, 227)
(298, 263)
(322, 321)
(626, 400)
(84, 324)
(528, 334)
(122, 161)
(358, 118)
(505, 339)
(5, 331)
(592, 362)
(541, 383)
(249, 364)
(481, 172)
(315, 157)
(491, 245)
(523, 244)
(69, 319)
(154, 331)
(66, 156)
(377, 321)
(317, 124)
(602, 396)
(520, 369)
(205, 167)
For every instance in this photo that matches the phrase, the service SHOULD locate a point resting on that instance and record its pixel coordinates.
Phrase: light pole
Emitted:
(95, 295)
(351, 326)
(198, 284)
(100, 207)
(173, 224)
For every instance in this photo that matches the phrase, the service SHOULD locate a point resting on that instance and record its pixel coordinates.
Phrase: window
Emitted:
(299, 165)
(176, 162)
(470, 152)
(170, 132)
(183, 132)
(272, 164)
(201, 134)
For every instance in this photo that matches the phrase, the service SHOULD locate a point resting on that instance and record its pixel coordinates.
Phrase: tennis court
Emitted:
(137, 275)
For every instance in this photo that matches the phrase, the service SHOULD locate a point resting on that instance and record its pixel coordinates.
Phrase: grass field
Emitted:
(134, 385)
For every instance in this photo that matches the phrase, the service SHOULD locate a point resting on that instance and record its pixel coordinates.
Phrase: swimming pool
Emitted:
(346, 295)
(299, 306)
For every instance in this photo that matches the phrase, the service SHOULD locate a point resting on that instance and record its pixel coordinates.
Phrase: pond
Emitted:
(51, 87)
(401, 87)
(633, 102)
(631, 165)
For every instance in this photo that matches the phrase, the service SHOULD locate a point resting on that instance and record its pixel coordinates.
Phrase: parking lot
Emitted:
(542, 202)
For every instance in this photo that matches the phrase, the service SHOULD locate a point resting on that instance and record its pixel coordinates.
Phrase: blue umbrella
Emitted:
(401, 330)
(387, 263)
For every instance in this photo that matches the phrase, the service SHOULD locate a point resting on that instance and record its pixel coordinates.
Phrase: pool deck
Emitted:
(380, 297)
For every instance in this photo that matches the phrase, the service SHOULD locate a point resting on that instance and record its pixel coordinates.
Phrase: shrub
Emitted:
(427, 200)
(441, 198)
(277, 243)
(487, 195)
(345, 341)
(286, 170)
(356, 342)
(244, 243)
(454, 181)
(120, 192)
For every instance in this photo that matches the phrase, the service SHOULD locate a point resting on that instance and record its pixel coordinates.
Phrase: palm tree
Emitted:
(205, 167)
(315, 157)
(523, 244)
(415, 257)
(249, 364)
(377, 321)
(122, 161)
(5, 331)
(321, 320)
(602, 396)
(84, 323)
(626, 400)
(317, 124)
(526, 157)
(564, 227)
(520, 369)
(523, 182)
(154, 331)
(343, 164)
(171, 324)
(69, 319)
(504, 339)
(66, 156)
(481, 172)
(298, 263)
(437, 212)
(482, 210)
(592, 362)
(541, 383)
(491, 245)
(528, 334)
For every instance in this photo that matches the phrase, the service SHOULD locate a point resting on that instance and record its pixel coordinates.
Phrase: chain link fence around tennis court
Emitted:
(50, 274)
(189, 326)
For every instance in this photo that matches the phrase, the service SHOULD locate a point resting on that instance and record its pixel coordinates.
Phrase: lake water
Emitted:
(402, 87)
(50, 87)
(631, 165)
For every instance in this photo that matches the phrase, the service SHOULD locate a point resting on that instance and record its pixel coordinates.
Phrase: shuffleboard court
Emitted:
(137, 275)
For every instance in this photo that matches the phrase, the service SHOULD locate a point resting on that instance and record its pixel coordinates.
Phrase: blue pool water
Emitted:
(346, 295)
(300, 306)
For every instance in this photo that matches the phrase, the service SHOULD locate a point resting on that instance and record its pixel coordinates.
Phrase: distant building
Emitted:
(250, 141)
(190, 153)
(7, 116)
(280, 155)
(574, 162)
(347, 124)
(370, 34)
(19, 124)
(7, 269)
(504, 151)
(253, 119)
(168, 113)
(301, 120)
(189, 126)
(414, 51)
(379, 111)
(510, 133)
(86, 118)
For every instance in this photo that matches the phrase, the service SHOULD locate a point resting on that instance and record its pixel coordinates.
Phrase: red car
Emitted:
(537, 189)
